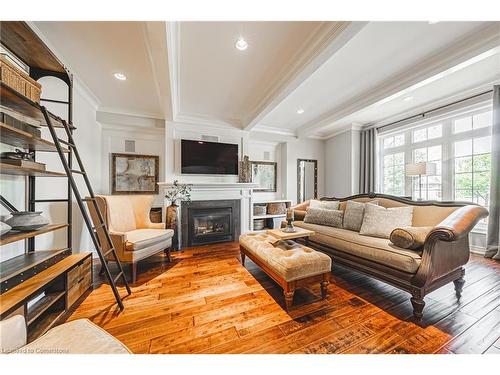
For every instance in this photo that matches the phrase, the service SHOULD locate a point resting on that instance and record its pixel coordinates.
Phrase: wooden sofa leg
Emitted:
(133, 271)
(418, 304)
(459, 285)
(167, 253)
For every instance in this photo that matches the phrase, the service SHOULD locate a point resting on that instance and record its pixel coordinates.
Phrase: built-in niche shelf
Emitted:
(268, 220)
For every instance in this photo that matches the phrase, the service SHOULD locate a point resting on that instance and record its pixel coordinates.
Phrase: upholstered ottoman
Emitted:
(288, 263)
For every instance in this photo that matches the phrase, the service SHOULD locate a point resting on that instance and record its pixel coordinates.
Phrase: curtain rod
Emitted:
(423, 114)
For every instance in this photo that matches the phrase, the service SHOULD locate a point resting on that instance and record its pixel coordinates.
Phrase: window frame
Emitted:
(447, 142)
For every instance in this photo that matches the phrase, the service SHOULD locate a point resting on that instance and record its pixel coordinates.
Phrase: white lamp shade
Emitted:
(420, 169)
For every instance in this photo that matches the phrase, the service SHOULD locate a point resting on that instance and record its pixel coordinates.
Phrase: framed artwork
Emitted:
(134, 174)
(264, 173)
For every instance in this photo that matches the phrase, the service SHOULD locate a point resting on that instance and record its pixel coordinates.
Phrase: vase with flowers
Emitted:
(175, 194)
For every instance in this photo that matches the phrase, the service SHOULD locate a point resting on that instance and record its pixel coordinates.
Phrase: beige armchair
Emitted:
(134, 236)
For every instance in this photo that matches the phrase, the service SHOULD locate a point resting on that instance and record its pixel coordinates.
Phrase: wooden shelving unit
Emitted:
(14, 236)
(37, 282)
(19, 138)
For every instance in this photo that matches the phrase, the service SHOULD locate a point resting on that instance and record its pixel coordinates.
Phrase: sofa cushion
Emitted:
(379, 250)
(380, 221)
(410, 237)
(141, 238)
(288, 259)
(332, 218)
(327, 205)
(353, 214)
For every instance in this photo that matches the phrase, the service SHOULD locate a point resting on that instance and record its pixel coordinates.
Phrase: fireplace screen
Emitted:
(212, 224)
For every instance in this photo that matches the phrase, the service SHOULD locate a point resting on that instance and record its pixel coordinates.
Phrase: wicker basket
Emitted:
(259, 210)
(276, 208)
(18, 80)
(259, 224)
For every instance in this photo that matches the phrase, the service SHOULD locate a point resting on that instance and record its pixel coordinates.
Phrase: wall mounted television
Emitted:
(201, 157)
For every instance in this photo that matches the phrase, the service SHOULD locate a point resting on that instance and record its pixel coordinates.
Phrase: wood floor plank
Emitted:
(205, 301)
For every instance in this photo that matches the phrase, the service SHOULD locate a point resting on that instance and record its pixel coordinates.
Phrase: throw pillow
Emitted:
(412, 238)
(380, 221)
(327, 205)
(353, 214)
(331, 218)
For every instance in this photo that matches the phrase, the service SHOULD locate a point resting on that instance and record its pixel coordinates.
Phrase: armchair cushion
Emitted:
(141, 238)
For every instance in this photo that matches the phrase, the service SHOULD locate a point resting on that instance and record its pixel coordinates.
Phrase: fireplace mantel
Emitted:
(215, 185)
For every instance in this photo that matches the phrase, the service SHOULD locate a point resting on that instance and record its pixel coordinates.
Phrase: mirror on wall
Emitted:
(307, 179)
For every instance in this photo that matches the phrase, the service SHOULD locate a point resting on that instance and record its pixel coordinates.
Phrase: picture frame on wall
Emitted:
(264, 173)
(134, 174)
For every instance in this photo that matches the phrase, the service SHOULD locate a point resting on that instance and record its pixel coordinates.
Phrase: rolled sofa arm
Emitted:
(458, 224)
(299, 211)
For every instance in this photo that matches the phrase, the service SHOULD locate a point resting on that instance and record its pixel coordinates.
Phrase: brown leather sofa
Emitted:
(445, 251)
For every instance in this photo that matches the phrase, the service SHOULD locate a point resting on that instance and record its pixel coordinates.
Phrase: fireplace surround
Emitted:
(209, 221)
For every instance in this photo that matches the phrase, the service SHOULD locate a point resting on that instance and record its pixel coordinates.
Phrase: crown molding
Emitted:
(316, 50)
(106, 118)
(173, 51)
(78, 84)
(456, 53)
(343, 129)
(273, 130)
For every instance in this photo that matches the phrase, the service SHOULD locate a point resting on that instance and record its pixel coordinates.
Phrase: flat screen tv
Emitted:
(201, 157)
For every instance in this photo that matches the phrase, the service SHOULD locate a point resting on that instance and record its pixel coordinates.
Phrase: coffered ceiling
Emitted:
(335, 73)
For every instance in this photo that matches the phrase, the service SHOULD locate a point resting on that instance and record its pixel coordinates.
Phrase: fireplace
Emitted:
(205, 222)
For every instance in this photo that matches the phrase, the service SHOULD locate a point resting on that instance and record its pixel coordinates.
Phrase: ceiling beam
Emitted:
(155, 38)
(321, 46)
(469, 47)
(173, 51)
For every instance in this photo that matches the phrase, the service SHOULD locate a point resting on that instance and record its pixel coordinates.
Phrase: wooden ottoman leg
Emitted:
(288, 292)
(167, 253)
(324, 285)
(242, 254)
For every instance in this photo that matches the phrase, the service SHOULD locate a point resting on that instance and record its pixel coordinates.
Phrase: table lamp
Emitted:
(420, 169)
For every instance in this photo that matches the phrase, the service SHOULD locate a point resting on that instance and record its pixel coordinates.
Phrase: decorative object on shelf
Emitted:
(264, 173)
(18, 80)
(420, 169)
(175, 193)
(4, 228)
(259, 224)
(245, 172)
(259, 210)
(289, 222)
(155, 214)
(27, 220)
(276, 208)
(134, 174)
(21, 159)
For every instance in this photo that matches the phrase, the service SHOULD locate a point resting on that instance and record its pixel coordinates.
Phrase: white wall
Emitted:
(148, 141)
(342, 160)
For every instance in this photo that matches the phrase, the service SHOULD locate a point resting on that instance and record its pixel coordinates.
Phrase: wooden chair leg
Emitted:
(133, 271)
(242, 255)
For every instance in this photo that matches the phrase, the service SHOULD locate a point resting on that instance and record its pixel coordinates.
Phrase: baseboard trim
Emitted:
(477, 250)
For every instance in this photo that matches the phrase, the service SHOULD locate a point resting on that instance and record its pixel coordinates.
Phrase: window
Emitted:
(472, 163)
(459, 145)
(394, 174)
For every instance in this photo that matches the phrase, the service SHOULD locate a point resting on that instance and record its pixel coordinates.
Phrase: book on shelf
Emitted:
(24, 163)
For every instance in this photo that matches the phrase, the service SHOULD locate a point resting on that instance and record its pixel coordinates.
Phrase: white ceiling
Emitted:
(94, 51)
(340, 73)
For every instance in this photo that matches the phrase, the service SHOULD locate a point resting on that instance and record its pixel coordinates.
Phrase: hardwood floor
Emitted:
(206, 302)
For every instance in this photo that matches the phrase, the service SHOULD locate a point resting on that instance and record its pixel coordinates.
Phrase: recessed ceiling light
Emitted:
(120, 76)
(407, 98)
(300, 111)
(241, 44)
